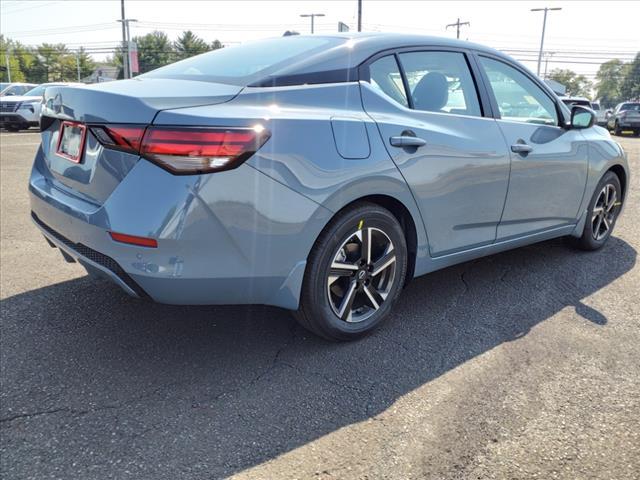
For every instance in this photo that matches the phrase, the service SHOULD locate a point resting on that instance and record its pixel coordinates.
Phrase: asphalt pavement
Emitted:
(525, 364)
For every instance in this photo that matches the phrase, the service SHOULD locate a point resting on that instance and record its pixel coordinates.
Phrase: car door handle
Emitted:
(521, 148)
(407, 141)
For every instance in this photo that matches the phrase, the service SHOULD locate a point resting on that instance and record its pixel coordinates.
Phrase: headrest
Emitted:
(431, 93)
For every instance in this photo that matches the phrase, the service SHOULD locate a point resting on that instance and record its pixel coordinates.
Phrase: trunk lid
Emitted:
(136, 101)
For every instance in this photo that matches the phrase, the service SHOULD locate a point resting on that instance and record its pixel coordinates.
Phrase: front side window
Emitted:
(519, 98)
(384, 76)
(441, 82)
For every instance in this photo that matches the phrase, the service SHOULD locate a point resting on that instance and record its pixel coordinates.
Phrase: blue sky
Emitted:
(585, 32)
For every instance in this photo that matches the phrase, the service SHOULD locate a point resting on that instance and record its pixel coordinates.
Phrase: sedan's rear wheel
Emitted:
(355, 273)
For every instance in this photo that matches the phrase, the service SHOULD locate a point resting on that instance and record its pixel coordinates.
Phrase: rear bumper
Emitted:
(236, 237)
(94, 262)
(629, 123)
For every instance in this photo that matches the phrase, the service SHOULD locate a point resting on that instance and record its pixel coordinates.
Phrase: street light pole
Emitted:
(359, 15)
(125, 58)
(313, 16)
(544, 26)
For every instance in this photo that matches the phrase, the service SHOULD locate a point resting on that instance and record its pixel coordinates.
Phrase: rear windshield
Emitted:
(630, 106)
(246, 63)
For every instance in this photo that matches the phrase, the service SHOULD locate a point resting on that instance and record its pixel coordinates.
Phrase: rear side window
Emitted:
(519, 98)
(441, 82)
(246, 63)
(384, 75)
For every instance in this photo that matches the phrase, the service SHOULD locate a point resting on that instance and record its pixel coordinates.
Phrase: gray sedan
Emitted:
(625, 117)
(318, 173)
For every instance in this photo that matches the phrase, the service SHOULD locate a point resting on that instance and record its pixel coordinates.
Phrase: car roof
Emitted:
(358, 47)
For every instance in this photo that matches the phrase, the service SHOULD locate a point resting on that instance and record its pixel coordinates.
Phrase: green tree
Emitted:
(577, 85)
(7, 50)
(188, 45)
(87, 65)
(609, 82)
(216, 44)
(630, 89)
(154, 51)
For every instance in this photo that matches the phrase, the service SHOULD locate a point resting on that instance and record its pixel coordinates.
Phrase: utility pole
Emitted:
(544, 26)
(313, 16)
(127, 41)
(458, 24)
(359, 15)
(6, 59)
(78, 63)
(547, 56)
(125, 57)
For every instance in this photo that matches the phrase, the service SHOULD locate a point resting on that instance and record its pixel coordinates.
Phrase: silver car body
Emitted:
(244, 235)
(23, 111)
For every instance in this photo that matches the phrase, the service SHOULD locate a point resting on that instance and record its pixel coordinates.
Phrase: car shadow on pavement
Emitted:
(171, 391)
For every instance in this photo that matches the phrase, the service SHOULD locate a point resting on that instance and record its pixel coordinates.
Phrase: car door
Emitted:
(548, 161)
(439, 134)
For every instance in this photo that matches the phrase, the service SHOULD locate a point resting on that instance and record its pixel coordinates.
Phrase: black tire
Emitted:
(616, 129)
(588, 240)
(317, 311)
(12, 128)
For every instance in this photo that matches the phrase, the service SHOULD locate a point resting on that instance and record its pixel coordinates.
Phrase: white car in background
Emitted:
(19, 112)
(8, 89)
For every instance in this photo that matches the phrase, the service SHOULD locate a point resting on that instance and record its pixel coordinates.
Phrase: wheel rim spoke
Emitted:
(347, 303)
(612, 202)
(384, 263)
(374, 297)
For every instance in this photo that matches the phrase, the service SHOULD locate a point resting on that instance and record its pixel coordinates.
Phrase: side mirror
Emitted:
(9, 94)
(582, 117)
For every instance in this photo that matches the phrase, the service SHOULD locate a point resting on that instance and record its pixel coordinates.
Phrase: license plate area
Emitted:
(71, 141)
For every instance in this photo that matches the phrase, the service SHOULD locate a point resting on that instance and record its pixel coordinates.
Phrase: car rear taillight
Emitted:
(201, 150)
(185, 150)
(127, 138)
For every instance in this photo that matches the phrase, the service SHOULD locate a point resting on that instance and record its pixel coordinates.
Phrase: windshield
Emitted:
(36, 92)
(243, 64)
(630, 106)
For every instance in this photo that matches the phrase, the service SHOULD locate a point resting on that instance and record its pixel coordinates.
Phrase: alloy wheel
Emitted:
(604, 212)
(361, 275)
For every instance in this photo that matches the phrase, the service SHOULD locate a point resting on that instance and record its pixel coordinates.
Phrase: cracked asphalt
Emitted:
(525, 364)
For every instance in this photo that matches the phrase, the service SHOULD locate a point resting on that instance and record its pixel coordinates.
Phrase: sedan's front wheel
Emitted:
(604, 208)
(354, 274)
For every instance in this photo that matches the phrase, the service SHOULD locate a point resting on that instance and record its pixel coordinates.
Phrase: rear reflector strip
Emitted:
(134, 240)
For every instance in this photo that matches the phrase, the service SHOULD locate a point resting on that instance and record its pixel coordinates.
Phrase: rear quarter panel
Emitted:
(305, 151)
